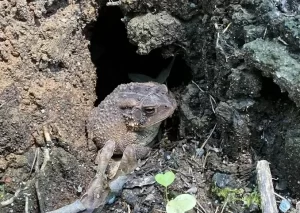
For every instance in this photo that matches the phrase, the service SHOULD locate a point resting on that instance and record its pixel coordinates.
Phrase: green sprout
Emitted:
(231, 195)
(252, 198)
(181, 203)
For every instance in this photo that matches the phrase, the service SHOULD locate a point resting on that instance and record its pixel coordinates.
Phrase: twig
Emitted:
(224, 205)
(298, 206)
(34, 159)
(210, 134)
(278, 195)
(113, 3)
(205, 159)
(186, 175)
(265, 186)
(46, 150)
(37, 191)
(282, 41)
(128, 209)
(226, 28)
(197, 86)
(159, 210)
(10, 200)
(265, 32)
(218, 46)
(47, 135)
(211, 98)
(217, 209)
(46, 159)
(201, 207)
(42, 169)
(26, 204)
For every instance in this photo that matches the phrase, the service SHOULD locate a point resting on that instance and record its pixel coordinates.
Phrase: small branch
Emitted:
(210, 134)
(265, 186)
(201, 207)
(46, 159)
(26, 204)
(36, 153)
(46, 150)
(224, 205)
(201, 90)
(211, 98)
(226, 28)
(10, 200)
(205, 160)
(47, 135)
(217, 209)
(114, 3)
(278, 195)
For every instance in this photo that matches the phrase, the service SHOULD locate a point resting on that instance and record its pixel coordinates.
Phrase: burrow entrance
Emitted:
(114, 56)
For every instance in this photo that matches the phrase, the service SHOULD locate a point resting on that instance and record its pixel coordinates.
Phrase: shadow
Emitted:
(114, 56)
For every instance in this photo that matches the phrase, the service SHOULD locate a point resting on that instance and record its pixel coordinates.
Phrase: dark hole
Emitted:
(114, 57)
(237, 63)
(271, 91)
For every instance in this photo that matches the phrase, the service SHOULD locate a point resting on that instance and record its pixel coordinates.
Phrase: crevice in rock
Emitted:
(114, 56)
(271, 91)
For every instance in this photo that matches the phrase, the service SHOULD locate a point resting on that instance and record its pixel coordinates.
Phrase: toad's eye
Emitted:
(149, 110)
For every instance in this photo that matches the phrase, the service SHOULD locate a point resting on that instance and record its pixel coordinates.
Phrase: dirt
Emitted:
(237, 66)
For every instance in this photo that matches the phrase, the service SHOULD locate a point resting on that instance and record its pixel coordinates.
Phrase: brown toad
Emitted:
(131, 115)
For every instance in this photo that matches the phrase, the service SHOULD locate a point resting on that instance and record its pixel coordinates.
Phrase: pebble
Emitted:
(111, 198)
(26, 101)
(285, 205)
(15, 53)
(223, 180)
(199, 152)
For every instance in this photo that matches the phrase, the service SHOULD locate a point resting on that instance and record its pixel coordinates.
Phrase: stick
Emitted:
(265, 186)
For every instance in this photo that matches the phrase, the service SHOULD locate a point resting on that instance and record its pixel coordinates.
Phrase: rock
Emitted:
(22, 12)
(274, 61)
(244, 83)
(150, 31)
(224, 180)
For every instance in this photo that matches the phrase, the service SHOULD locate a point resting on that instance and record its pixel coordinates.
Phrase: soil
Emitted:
(237, 67)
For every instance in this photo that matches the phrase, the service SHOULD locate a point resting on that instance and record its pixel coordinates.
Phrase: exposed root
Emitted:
(10, 200)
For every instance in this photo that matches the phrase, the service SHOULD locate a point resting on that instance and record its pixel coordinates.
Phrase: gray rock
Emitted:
(150, 31)
(274, 61)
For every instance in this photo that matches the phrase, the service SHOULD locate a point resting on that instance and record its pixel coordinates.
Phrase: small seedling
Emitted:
(232, 196)
(179, 204)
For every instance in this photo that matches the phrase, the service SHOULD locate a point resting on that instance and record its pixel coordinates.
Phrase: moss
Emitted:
(232, 196)
(252, 198)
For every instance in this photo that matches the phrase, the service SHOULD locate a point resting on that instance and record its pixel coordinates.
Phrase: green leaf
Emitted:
(181, 204)
(165, 179)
